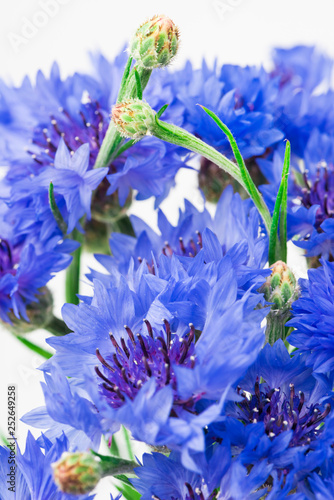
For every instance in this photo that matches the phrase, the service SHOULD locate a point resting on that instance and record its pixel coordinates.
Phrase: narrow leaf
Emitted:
(125, 77)
(245, 175)
(275, 251)
(128, 492)
(162, 110)
(284, 205)
(124, 147)
(139, 87)
(55, 211)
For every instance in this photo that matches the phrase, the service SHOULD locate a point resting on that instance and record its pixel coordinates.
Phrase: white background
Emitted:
(234, 31)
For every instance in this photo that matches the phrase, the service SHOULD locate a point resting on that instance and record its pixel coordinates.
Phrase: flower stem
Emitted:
(128, 443)
(129, 88)
(73, 274)
(33, 347)
(176, 135)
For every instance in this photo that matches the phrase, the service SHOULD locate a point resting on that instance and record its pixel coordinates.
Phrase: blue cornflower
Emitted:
(301, 67)
(77, 110)
(299, 107)
(151, 376)
(313, 318)
(235, 222)
(310, 201)
(241, 97)
(280, 414)
(33, 471)
(163, 478)
(71, 179)
(26, 265)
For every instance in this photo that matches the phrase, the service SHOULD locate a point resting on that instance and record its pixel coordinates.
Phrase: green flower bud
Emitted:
(133, 118)
(155, 43)
(280, 286)
(77, 473)
(39, 314)
(282, 290)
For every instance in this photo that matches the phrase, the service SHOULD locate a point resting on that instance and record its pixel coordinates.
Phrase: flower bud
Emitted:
(281, 290)
(155, 43)
(133, 118)
(77, 473)
(39, 314)
(280, 286)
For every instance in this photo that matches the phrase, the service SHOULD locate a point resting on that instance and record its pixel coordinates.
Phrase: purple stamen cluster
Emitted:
(280, 412)
(320, 192)
(90, 127)
(140, 357)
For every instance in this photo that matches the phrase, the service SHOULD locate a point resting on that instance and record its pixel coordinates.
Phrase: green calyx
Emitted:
(133, 118)
(77, 473)
(155, 43)
(280, 287)
(281, 290)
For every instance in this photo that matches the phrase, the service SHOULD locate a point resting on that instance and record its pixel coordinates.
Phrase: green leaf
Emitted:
(162, 110)
(128, 492)
(73, 274)
(124, 147)
(277, 249)
(128, 443)
(252, 189)
(55, 211)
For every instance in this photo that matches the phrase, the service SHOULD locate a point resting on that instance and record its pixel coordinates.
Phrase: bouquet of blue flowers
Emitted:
(197, 340)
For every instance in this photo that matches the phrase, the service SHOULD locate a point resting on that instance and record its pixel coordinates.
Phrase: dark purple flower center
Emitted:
(319, 191)
(6, 258)
(138, 358)
(280, 412)
(89, 127)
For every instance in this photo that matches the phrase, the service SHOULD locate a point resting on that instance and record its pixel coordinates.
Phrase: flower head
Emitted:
(133, 118)
(155, 43)
(313, 315)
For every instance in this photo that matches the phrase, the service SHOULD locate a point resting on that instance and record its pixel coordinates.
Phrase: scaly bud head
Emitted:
(280, 286)
(155, 43)
(282, 290)
(133, 118)
(77, 473)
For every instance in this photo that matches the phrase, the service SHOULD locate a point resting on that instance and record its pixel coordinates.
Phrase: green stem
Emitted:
(176, 135)
(113, 466)
(73, 274)
(33, 347)
(113, 139)
(57, 327)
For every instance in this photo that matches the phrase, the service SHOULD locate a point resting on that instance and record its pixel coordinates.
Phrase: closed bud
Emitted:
(77, 473)
(280, 286)
(281, 290)
(155, 43)
(133, 118)
(39, 314)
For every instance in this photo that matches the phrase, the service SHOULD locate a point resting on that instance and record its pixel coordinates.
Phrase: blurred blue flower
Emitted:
(33, 471)
(313, 318)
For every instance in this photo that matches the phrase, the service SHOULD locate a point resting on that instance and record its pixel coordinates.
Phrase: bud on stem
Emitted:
(78, 473)
(282, 290)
